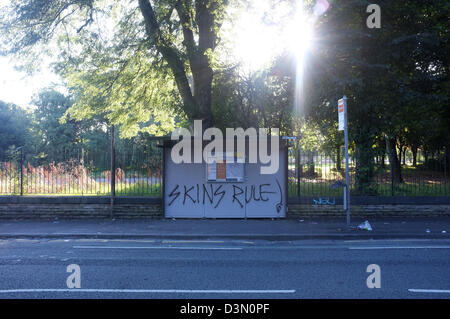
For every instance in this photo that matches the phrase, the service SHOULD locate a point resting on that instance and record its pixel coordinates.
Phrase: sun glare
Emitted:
(299, 33)
(302, 28)
(263, 32)
(254, 41)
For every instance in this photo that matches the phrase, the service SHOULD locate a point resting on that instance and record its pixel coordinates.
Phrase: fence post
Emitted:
(391, 151)
(21, 172)
(113, 172)
(392, 175)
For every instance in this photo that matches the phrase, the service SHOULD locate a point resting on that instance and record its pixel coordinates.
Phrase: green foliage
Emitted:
(129, 61)
(255, 100)
(395, 78)
(52, 139)
(58, 141)
(14, 127)
(138, 97)
(50, 135)
(148, 66)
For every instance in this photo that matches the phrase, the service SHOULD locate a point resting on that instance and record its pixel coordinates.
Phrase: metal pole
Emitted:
(345, 197)
(21, 172)
(347, 176)
(113, 172)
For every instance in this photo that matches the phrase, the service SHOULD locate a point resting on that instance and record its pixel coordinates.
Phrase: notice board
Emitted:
(225, 169)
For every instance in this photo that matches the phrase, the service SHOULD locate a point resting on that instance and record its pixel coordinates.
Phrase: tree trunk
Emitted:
(383, 155)
(338, 158)
(203, 77)
(364, 167)
(394, 160)
(399, 152)
(196, 101)
(414, 152)
(311, 164)
(404, 156)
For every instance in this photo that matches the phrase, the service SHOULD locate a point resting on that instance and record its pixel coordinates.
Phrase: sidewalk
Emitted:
(292, 229)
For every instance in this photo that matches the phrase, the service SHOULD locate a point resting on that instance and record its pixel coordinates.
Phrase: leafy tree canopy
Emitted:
(144, 64)
(15, 122)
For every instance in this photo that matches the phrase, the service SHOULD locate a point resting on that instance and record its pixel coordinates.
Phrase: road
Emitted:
(224, 268)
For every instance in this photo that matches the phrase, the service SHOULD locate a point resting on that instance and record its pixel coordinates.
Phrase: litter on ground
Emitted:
(365, 226)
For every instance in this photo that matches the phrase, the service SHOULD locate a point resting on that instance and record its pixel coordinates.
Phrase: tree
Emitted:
(52, 136)
(178, 36)
(385, 73)
(258, 99)
(14, 126)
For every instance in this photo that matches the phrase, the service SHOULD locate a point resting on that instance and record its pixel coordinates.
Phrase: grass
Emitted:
(122, 189)
(138, 189)
(417, 182)
(60, 180)
(75, 179)
(380, 189)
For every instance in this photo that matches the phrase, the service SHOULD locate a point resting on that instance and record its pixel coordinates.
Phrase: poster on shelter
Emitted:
(226, 169)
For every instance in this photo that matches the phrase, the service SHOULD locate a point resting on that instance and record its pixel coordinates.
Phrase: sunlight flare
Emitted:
(302, 28)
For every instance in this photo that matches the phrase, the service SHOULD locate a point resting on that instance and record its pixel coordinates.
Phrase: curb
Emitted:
(275, 237)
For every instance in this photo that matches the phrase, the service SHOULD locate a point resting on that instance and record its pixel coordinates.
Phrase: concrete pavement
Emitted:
(286, 229)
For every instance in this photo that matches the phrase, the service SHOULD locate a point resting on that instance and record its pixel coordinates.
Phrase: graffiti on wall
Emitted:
(215, 194)
(324, 201)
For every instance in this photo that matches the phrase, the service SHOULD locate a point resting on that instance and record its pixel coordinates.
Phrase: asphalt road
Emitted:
(224, 268)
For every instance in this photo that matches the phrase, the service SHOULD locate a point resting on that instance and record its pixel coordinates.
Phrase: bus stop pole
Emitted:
(347, 176)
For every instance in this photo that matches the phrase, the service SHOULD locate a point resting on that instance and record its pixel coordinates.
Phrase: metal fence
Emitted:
(80, 172)
(77, 171)
(314, 173)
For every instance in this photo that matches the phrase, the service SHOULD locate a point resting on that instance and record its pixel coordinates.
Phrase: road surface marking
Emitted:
(134, 240)
(388, 240)
(401, 247)
(359, 241)
(192, 241)
(430, 290)
(188, 291)
(157, 247)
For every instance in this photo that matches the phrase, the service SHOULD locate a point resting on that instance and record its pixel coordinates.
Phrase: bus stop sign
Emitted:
(341, 114)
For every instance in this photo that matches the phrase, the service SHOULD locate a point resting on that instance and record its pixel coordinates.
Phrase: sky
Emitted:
(17, 87)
